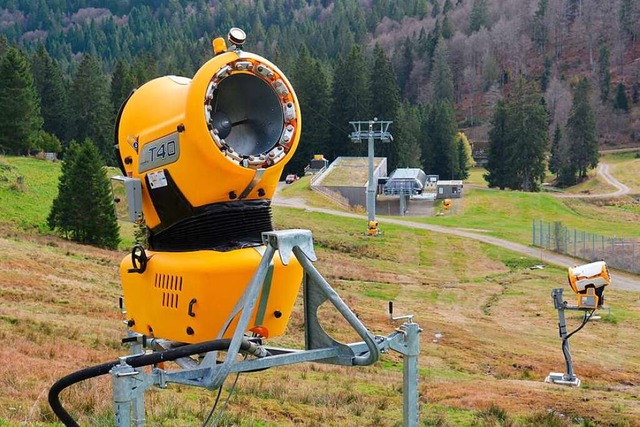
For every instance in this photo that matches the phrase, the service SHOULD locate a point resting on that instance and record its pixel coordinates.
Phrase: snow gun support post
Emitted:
(588, 282)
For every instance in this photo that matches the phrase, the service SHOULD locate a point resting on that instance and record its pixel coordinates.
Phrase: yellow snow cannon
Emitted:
(202, 157)
(589, 281)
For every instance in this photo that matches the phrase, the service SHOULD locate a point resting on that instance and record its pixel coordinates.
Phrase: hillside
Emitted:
(58, 312)
(488, 43)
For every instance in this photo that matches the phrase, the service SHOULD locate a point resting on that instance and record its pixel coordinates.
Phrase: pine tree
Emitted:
(620, 102)
(447, 6)
(83, 210)
(627, 20)
(435, 10)
(91, 113)
(63, 211)
(52, 93)
(635, 92)
(546, 74)
(312, 90)
(385, 102)
(479, 16)
(439, 154)
(122, 83)
(350, 102)
(528, 137)
(441, 76)
(604, 75)
(540, 30)
(497, 164)
(518, 140)
(581, 134)
(20, 121)
(447, 28)
(405, 61)
(405, 137)
(465, 157)
(555, 159)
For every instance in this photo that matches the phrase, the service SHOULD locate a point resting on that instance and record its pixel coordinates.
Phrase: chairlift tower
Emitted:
(371, 130)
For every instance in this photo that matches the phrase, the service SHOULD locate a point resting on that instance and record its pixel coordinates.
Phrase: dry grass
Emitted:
(58, 313)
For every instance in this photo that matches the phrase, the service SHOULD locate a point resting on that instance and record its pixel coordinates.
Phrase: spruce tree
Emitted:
(91, 113)
(604, 75)
(52, 93)
(312, 89)
(441, 76)
(497, 164)
(540, 29)
(63, 211)
(528, 137)
(405, 136)
(447, 28)
(20, 121)
(465, 157)
(350, 102)
(439, 154)
(635, 92)
(581, 134)
(555, 159)
(405, 61)
(479, 16)
(83, 211)
(385, 102)
(620, 102)
(122, 83)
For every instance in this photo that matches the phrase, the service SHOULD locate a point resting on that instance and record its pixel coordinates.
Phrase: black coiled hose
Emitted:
(135, 361)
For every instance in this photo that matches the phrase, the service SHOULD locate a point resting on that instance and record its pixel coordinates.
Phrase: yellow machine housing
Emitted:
(589, 281)
(208, 152)
(188, 296)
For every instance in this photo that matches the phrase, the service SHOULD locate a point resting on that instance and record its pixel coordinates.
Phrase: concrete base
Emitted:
(562, 379)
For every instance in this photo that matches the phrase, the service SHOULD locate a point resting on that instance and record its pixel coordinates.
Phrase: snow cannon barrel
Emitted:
(223, 136)
(206, 155)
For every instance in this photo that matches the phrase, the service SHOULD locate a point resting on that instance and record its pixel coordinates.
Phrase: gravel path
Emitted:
(603, 172)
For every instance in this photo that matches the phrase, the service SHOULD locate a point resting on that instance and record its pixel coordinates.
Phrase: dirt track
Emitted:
(603, 172)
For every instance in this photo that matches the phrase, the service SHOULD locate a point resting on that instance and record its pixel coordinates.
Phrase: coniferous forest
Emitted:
(531, 83)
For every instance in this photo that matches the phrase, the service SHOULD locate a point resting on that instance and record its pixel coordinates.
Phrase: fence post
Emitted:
(575, 240)
(533, 231)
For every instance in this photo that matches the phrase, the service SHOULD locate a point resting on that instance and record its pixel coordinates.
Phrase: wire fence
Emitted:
(620, 253)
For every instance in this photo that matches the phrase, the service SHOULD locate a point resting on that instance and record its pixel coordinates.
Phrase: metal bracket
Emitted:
(284, 241)
(130, 384)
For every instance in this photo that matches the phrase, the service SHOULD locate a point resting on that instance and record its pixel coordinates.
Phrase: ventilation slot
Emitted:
(171, 286)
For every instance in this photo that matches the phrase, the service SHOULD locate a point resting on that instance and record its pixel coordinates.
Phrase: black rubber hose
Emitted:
(135, 361)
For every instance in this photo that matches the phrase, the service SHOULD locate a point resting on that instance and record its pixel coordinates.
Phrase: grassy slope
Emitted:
(58, 312)
(509, 214)
(27, 204)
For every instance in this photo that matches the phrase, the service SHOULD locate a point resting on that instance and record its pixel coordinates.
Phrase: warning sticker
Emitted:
(157, 179)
